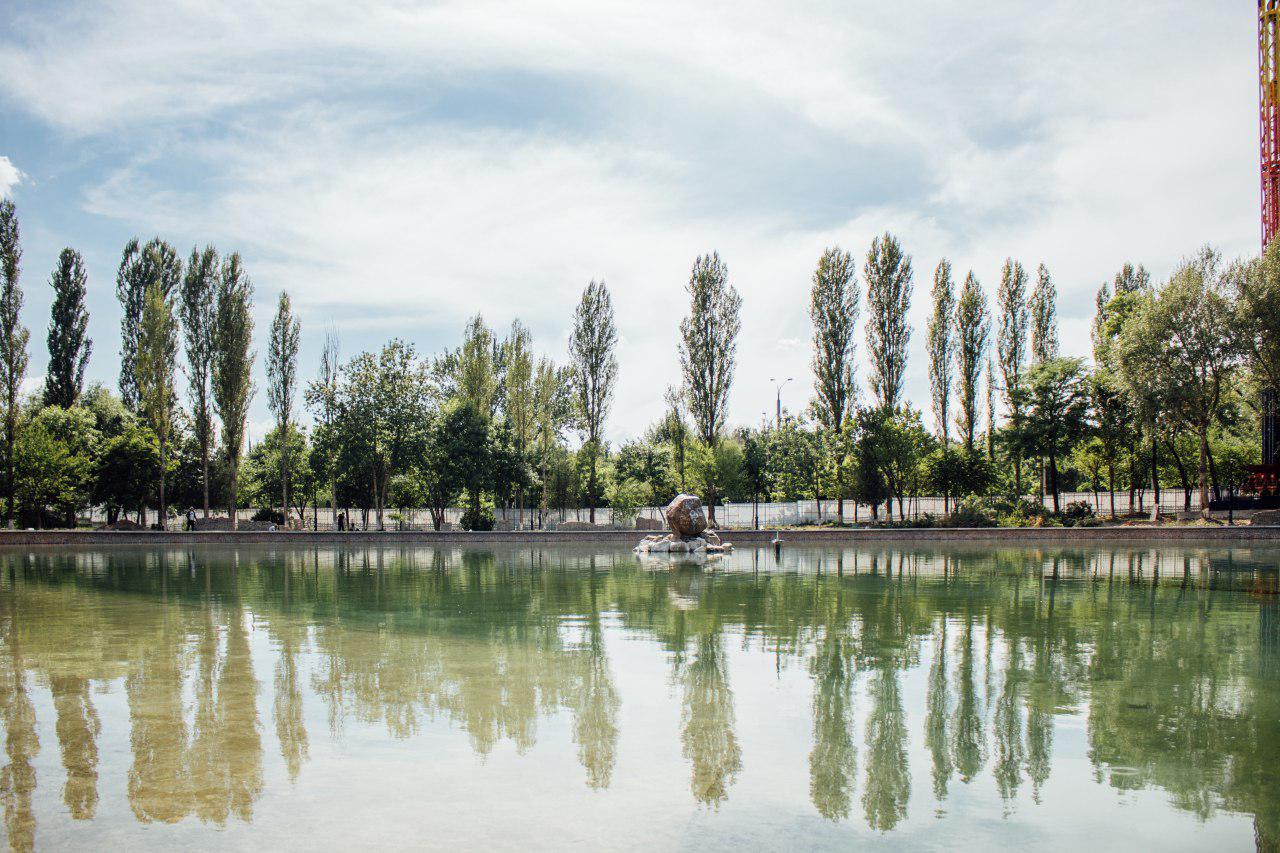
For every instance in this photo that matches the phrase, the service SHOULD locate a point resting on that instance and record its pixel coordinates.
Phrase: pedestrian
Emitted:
(191, 519)
(342, 521)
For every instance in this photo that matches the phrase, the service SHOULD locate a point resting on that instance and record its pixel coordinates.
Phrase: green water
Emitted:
(578, 698)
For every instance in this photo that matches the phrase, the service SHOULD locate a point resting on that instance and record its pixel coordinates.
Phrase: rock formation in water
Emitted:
(689, 533)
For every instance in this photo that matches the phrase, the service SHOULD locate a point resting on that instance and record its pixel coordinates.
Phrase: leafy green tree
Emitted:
(518, 397)
(261, 482)
(755, 469)
(69, 344)
(231, 373)
(196, 308)
(897, 443)
(1044, 317)
(282, 380)
(1182, 345)
(708, 347)
(1051, 413)
(1114, 426)
(126, 471)
(511, 474)
(1257, 298)
(645, 463)
(795, 461)
(140, 267)
(322, 399)
(674, 430)
(942, 343)
(972, 327)
(833, 308)
(457, 457)
(383, 411)
(888, 275)
(157, 357)
(57, 458)
(1011, 344)
(595, 373)
(13, 343)
(553, 413)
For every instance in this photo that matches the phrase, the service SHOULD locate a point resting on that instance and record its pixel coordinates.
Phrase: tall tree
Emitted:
(708, 346)
(232, 366)
(69, 344)
(833, 308)
(942, 343)
(322, 400)
(942, 350)
(157, 357)
(1131, 279)
(1181, 345)
(139, 266)
(282, 380)
(888, 275)
(972, 325)
(473, 371)
(1257, 298)
(1051, 415)
(1044, 317)
(595, 372)
(13, 342)
(196, 309)
(518, 397)
(1011, 344)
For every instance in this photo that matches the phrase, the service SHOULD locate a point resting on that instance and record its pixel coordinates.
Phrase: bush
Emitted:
(1025, 512)
(1076, 512)
(274, 516)
(972, 511)
(481, 521)
(1089, 521)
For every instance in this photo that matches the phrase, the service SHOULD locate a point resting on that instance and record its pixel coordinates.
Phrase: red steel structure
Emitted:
(1269, 115)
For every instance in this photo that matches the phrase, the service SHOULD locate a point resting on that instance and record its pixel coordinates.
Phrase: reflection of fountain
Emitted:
(689, 531)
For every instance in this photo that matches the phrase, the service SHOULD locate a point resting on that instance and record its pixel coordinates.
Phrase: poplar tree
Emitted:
(13, 342)
(156, 359)
(322, 400)
(282, 381)
(196, 308)
(888, 275)
(972, 326)
(942, 347)
(833, 308)
(69, 344)
(1044, 317)
(1011, 344)
(232, 365)
(708, 346)
(139, 266)
(595, 372)
(518, 396)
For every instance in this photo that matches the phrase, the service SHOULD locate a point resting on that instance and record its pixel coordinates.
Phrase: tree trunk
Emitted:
(1204, 471)
(1155, 478)
(204, 472)
(284, 472)
(1111, 487)
(1182, 477)
(1053, 481)
(1213, 477)
(231, 498)
(164, 512)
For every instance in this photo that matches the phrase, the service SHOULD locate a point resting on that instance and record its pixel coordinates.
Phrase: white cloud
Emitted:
(398, 167)
(10, 177)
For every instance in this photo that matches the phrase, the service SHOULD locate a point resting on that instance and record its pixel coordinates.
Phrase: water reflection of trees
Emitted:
(1178, 681)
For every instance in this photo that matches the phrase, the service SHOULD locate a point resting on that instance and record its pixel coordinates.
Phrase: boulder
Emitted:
(1266, 516)
(686, 517)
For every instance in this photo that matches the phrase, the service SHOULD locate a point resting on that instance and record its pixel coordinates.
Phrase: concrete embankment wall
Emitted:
(1030, 535)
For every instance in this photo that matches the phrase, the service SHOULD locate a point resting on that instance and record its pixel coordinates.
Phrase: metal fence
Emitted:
(733, 515)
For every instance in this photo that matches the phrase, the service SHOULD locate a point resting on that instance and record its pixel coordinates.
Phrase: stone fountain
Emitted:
(689, 534)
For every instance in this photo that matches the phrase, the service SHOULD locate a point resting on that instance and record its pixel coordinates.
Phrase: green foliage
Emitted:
(282, 379)
(888, 275)
(942, 341)
(231, 373)
(1050, 413)
(69, 344)
(196, 309)
(709, 343)
(155, 264)
(971, 349)
(13, 342)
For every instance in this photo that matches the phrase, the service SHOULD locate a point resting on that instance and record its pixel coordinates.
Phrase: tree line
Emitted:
(1180, 372)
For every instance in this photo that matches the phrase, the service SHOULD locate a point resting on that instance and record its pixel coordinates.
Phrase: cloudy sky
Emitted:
(399, 166)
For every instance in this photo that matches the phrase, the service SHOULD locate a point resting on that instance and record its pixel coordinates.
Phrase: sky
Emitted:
(399, 166)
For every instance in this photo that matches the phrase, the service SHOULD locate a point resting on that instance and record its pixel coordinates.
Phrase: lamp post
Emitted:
(780, 384)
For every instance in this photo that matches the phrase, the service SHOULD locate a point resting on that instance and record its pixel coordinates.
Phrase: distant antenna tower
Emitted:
(1269, 115)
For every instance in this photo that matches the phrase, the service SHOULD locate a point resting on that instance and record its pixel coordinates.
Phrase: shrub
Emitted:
(481, 521)
(1076, 512)
(972, 512)
(272, 515)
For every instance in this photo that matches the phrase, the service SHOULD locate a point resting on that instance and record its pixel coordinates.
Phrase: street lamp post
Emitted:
(778, 412)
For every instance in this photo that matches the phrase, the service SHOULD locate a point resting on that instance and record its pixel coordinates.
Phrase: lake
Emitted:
(577, 697)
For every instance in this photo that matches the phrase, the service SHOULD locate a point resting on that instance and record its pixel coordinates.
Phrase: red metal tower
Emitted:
(1269, 115)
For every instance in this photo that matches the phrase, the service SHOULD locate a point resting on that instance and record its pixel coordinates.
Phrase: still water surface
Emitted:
(566, 698)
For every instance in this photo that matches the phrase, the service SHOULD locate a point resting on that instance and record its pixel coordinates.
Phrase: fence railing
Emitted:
(736, 515)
